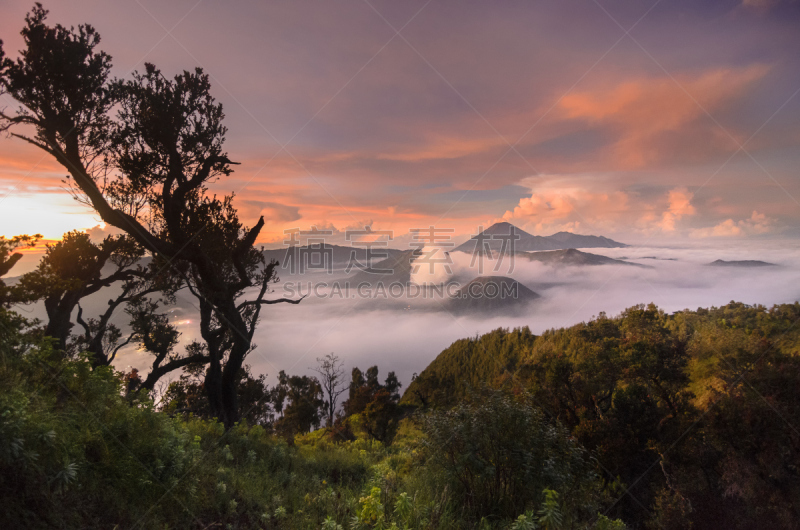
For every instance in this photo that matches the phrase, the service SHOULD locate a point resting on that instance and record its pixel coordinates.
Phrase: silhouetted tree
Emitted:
(299, 401)
(9, 258)
(75, 268)
(330, 373)
(186, 395)
(142, 152)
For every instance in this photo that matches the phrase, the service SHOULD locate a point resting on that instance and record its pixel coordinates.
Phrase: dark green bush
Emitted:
(496, 453)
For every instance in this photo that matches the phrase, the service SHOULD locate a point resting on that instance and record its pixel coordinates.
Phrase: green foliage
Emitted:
(371, 508)
(300, 402)
(75, 452)
(469, 363)
(497, 453)
(75, 449)
(604, 523)
(550, 516)
(525, 521)
(375, 404)
(696, 407)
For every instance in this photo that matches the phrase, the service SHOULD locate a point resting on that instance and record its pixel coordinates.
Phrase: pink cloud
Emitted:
(757, 223)
(679, 206)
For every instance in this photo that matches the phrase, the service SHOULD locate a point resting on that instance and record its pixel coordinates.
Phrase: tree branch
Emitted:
(107, 213)
(34, 142)
(119, 347)
(159, 371)
(84, 325)
(270, 302)
(9, 263)
(244, 245)
(204, 171)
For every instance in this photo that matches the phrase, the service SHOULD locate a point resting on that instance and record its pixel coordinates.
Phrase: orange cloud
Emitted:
(659, 119)
(568, 208)
(679, 206)
(271, 211)
(575, 208)
(445, 148)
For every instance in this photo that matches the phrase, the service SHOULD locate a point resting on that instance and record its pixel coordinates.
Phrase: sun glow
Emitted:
(49, 214)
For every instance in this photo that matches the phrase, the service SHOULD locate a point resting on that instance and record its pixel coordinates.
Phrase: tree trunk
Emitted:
(230, 379)
(58, 322)
(213, 387)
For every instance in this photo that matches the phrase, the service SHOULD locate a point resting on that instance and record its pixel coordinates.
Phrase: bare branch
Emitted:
(119, 347)
(270, 302)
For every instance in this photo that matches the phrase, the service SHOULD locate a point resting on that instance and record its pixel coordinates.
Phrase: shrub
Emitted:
(497, 453)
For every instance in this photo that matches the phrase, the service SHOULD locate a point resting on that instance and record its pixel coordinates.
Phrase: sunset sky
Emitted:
(637, 120)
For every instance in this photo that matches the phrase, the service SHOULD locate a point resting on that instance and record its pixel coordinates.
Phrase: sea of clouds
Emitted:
(404, 335)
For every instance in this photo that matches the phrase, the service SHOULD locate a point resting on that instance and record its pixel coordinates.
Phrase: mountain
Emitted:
(498, 235)
(741, 263)
(316, 257)
(400, 265)
(491, 294)
(571, 256)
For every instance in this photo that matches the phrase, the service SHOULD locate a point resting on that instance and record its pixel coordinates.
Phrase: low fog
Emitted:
(406, 340)
(405, 335)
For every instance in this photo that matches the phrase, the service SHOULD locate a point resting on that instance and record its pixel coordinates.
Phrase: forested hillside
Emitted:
(692, 415)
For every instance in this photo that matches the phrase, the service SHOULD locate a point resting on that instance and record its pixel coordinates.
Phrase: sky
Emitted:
(645, 121)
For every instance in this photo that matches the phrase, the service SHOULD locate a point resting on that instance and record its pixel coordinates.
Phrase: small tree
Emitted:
(301, 413)
(376, 403)
(330, 373)
(187, 396)
(75, 268)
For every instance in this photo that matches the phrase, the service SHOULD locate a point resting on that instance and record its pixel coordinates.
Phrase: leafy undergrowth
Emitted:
(76, 453)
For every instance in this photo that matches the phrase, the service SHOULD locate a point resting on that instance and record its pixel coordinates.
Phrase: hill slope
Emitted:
(469, 363)
(649, 387)
(572, 256)
(337, 255)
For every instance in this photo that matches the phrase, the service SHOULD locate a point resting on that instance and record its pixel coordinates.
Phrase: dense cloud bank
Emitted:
(365, 331)
(405, 335)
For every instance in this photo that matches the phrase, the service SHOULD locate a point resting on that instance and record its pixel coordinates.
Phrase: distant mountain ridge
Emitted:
(396, 268)
(741, 263)
(497, 238)
(318, 256)
(572, 256)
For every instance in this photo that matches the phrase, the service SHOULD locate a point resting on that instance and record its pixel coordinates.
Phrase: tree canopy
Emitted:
(142, 152)
(693, 412)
